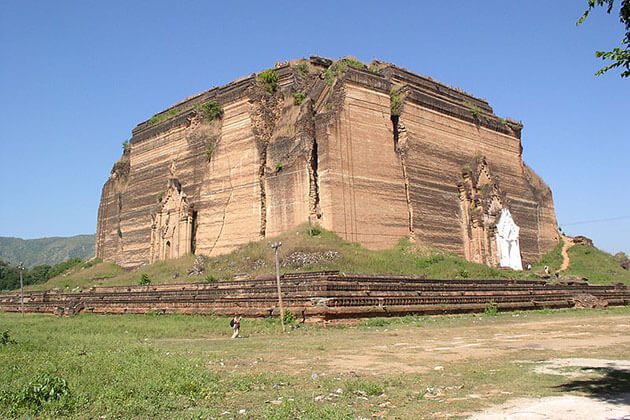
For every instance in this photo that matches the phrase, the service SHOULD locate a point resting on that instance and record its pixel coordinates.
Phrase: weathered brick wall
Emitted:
(338, 159)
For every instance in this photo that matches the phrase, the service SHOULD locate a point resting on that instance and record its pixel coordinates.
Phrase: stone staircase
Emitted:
(319, 295)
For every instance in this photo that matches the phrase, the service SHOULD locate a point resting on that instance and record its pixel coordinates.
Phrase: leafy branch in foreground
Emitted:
(619, 56)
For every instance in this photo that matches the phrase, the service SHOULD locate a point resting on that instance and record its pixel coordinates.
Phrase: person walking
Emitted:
(235, 323)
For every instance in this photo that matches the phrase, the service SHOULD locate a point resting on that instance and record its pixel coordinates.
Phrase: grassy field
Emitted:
(187, 367)
(406, 258)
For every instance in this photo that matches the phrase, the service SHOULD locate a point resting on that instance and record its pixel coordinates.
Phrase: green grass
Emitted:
(406, 258)
(552, 259)
(597, 266)
(163, 116)
(177, 366)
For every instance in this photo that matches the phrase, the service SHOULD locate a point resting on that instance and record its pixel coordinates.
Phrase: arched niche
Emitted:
(172, 224)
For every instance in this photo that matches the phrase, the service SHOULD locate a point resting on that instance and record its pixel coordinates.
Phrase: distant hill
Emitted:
(49, 251)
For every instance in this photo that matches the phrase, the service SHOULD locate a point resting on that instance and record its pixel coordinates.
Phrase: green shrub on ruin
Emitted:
(163, 116)
(269, 80)
(338, 69)
(298, 98)
(302, 69)
(475, 112)
(210, 110)
(279, 166)
(395, 100)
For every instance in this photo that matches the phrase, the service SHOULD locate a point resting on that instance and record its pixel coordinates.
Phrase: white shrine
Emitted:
(508, 248)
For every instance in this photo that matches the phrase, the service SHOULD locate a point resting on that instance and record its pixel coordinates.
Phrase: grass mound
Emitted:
(597, 266)
(316, 249)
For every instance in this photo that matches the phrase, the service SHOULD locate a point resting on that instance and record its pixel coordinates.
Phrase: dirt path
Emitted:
(566, 260)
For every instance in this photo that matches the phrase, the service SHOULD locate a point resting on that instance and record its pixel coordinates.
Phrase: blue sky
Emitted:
(77, 76)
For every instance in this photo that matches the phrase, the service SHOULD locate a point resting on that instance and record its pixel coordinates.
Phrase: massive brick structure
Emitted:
(373, 154)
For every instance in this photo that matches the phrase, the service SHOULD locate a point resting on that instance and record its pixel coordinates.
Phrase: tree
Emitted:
(619, 56)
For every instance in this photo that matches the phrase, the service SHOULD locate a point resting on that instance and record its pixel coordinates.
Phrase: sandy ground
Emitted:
(603, 406)
(556, 408)
(408, 351)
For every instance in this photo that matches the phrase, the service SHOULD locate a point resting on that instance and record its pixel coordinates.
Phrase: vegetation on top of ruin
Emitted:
(475, 112)
(163, 116)
(298, 98)
(269, 80)
(210, 110)
(302, 68)
(395, 100)
(339, 68)
(318, 249)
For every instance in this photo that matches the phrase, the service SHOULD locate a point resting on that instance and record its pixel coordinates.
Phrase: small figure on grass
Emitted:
(235, 323)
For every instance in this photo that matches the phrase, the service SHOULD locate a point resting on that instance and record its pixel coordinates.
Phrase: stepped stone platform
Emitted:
(320, 296)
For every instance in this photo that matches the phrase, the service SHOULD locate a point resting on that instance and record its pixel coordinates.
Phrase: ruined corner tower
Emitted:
(373, 154)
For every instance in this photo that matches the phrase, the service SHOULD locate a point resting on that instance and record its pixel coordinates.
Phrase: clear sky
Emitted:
(77, 76)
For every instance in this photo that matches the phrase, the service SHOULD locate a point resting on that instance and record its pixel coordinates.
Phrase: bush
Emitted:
(210, 110)
(491, 309)
(394, 98)
(298, 98)
(44, 388)
(366, 387)
(313, 230)
(302, 69)
(474, 111)
(163, 116)
(92, 262)
(5, 339)
(279, 166)
(144, 280)
(210, 279)
(62, 267)
(269, 80)
(338, 68)
(289, 318)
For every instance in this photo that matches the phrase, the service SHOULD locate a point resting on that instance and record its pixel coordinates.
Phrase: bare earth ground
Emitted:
(403, 349)
(586, 350)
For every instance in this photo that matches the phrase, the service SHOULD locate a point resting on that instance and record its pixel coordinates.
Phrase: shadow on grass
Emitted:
(610, 384)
